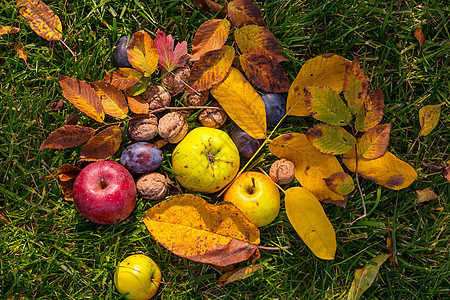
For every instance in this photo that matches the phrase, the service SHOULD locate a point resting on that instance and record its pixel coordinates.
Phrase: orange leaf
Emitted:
(208, 5)
(238, 274)
(67, 136)
(211, 35)
(372, 113)
(83, 97)
(8, 29)
(123, 78)
(429, 118)
(211, 69)
(41, 19)
(67, 172)
(311, 166)
(138, 105)
(142, 53)
(192, 228)
(355, 87)
(327, 70)
(113, 101)
(420, 36)
(257, 39)
(244, 12)
(265, 72)
(20, 50)
(242, 103)
(373, 143)
(102, 145)
(66, 189)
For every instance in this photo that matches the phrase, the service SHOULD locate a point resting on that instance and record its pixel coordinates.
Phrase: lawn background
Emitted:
(48, 251)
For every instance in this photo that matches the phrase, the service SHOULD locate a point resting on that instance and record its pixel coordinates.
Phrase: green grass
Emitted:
(48, 251)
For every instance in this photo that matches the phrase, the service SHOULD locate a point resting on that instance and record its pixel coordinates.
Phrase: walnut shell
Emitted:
(282, 171)
(157, 96)
(172, 127)
(177, 79)
(194, 99)
(213, 118)
(152, 186)
(143, 128)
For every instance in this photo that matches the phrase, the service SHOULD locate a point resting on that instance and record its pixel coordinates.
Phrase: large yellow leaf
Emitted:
(41, 19)
(244, 12)
(113, 101)
(83, 97)
(242, 103)
(211, 69)
(257, 39)
(327, 70)
(142, 53)
(310, 221)
(311, 166)
(429, 118)
(190, 227)
(211, 35)
(387, 170)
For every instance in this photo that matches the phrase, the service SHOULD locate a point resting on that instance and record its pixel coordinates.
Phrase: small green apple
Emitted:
(206, 160)
(256, 195)
(138, 276)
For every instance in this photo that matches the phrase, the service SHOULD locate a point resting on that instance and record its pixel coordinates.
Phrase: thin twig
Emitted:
(359, 188)
(70, 50)
(158, 110)
(273, 248)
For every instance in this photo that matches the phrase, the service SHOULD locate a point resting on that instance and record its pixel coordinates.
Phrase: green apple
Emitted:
(206, 160)
(256, 195)
(137, 276)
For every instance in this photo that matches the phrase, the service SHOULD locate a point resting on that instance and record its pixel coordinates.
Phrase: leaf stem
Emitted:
(359, 188)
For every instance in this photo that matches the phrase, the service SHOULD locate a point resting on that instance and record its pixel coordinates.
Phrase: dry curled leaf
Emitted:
(190, 227)
(67, 136)
(41, 19)
(67, 172)
(425, 195)
(238, 274)
(420, 36)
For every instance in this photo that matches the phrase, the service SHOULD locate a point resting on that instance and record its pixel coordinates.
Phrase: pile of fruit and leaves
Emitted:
(180, 129)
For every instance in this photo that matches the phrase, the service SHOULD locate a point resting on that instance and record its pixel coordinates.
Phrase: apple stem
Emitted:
(103, 184)
(252, 188)
(273, 248)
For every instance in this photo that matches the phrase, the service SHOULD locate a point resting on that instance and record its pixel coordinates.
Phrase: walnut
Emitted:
(143, 128)
(157, 96)
(194, 99)
(282, 171)
(172, 127)
(213, 118)
(177, 79)
(152, 186)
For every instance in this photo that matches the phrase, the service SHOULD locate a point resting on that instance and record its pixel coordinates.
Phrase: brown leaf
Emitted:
(57, 106)
(208, 5)
(142, 53)
(210, 36)
(102, 145)
(244, 12)
(67, 172)
(41, 19)
(83, 97)
(113, 100)
(67, 136)
(373, 143)
(138, 105)
(390, 248)
(425, 195)
(192, 228)
(72, 119)
(265, 72)
(420, 36)
(123, 78)
(211, 69)
(446, 171)
(66, 189)
(238, 274)
(257, 39)
(8, 30)
(20, 50)
(372, 112)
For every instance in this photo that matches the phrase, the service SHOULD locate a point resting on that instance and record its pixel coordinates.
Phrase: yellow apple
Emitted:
(137, 276)
(206, 160)
(256, 195)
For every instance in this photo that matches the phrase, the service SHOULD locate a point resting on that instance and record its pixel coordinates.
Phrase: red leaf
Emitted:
(169, 58)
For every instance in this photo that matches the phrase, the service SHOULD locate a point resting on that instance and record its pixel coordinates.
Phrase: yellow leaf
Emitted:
(103, 145)
(371, 113)
(310, 222)
(190, 227)
(138, 104)
(8, 29)
(258, 39)
(211, 69)
(123, 78)
(113, 101)
(387, 170)
(364, 277)
(83, 97)
(242, 103)
(373, 143)
(41, 19)
(210, 36)
(311, 166)
(429, 118)
(327, 70)
(142, 53)
(425, 195)
(238, 274)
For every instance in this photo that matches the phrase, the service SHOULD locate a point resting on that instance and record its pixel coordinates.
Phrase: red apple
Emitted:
(104, 192)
